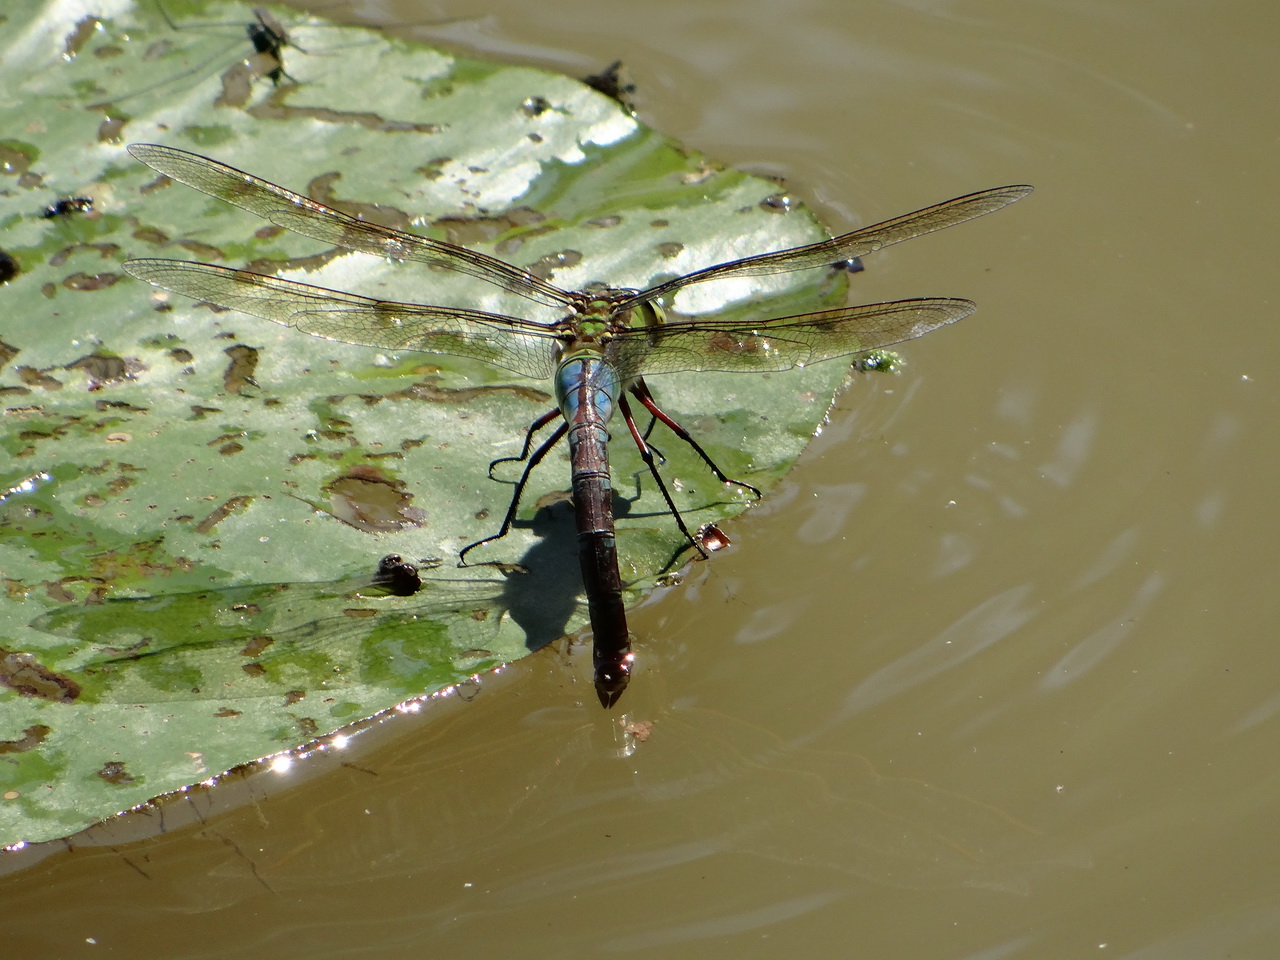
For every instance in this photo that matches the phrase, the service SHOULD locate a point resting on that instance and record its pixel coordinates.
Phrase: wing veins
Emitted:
(320, 222)
(519, 345)
(782, 343)
(850, 245)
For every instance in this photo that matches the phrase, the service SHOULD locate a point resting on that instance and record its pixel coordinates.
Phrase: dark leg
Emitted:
(640, 390)
(647, 456)
(534, 427)
(534, 460)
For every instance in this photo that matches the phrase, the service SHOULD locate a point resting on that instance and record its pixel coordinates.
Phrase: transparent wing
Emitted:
(279, 640)
(772, 345)
(859, 243)
(312, 219)
(519, 345)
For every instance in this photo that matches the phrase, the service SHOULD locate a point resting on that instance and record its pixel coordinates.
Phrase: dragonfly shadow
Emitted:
(545, 596)
(361, 640)
(543, 599)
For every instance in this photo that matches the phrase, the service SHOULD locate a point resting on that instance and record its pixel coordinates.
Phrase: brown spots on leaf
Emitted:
(33, 736)
(202, 251)
(724, 342)
(428, 391)
(103, 370)
(257, 646)
(469, 231)
(159, 183)
(365, 498)
(545, 267)
(84, 31)
(114, 772)
(268, 266)
(151, 235)
(277, 108)
(306, 726)
(239, 373)
(359, 613)
(294, 696)
(105, 251)
(85, 282)
(143, 559)
(117, 406)
(37, 378)
(433, 169)
(9, 267)
(15, 161)
(226, 713)
(238, 79)
(234, 505)
(60, 592)
(28, 677)
(321, 188)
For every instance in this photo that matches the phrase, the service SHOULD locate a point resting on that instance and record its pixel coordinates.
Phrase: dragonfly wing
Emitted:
(518, 345)
(312, 219)
(774, 345)
(244, 642)
(859, 243)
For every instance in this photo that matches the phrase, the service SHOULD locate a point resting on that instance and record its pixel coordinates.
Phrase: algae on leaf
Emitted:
(157, 449)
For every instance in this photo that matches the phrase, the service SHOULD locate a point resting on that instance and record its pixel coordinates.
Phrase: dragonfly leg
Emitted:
(646, 454)
(648, 439)
(640, 390)
(533, 461)
(534, 427)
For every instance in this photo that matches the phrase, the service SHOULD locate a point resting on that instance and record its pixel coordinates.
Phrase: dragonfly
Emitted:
(597, 354)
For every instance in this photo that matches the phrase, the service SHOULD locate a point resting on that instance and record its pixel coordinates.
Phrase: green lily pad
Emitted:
(179, 484)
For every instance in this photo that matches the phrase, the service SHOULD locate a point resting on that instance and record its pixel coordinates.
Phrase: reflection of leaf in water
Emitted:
(285, 640)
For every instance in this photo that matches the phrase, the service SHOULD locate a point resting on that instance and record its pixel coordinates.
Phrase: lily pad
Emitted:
(179, 483)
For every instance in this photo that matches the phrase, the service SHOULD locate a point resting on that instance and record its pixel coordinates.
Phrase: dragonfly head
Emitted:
(612, 308)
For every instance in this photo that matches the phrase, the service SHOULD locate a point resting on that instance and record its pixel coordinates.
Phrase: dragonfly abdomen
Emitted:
(587, 390)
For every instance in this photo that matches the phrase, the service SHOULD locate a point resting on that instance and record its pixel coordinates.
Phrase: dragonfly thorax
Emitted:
(586, 385)
(612, 309)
